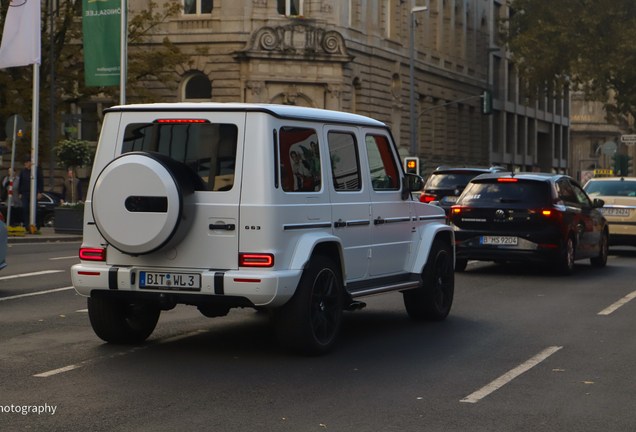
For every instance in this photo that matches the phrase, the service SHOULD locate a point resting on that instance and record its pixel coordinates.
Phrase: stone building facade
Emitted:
(353, 55)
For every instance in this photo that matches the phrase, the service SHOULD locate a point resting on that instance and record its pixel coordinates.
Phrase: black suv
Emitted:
(446, 184)
(528, 217)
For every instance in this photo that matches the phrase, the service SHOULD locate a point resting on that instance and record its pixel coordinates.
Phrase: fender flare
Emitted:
(305, 248)
(429, 234)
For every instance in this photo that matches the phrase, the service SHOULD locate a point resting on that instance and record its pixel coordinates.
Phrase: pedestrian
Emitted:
(16, 204)
(25, 189)
(72, 186)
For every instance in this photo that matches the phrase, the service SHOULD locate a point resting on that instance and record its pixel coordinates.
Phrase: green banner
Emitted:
(101, 22)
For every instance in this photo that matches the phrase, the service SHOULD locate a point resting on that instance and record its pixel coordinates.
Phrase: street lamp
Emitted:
(413, 150)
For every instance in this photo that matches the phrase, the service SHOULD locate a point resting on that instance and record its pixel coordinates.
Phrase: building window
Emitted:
(290, 7)
(197, 87)
(197, 7)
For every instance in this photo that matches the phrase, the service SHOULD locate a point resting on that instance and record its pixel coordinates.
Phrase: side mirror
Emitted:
(598, 203)
(412, 183)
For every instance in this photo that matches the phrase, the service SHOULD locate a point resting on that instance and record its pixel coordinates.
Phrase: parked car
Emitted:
(3, 243)
(46, 210)
(528, 217)
(619, 195)
(298, 210)
(446, 184)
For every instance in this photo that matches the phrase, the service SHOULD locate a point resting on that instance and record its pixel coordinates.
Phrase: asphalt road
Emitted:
(523, 350)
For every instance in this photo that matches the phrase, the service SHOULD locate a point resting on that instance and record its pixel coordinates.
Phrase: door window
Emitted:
(345, 163)
(581, 196)
(384, 172)
(209, 149)
(300, 167)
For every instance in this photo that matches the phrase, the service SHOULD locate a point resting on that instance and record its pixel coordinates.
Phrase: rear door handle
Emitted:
(226, 227)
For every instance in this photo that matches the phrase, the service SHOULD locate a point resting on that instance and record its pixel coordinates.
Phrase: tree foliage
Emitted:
(586, 44)
(149, 61)
(73, 153)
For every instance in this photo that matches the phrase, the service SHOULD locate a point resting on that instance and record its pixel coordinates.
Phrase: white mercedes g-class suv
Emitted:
(298, 210)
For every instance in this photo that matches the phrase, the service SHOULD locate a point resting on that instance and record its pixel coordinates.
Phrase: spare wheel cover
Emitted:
(129, 203)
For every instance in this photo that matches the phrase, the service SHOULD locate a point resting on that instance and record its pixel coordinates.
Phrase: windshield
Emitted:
(450, 180)
(611, 188)
(529, 193)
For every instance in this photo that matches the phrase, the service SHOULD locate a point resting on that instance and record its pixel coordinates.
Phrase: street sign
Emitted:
(629, 140)
(609, 148)
(20, 123)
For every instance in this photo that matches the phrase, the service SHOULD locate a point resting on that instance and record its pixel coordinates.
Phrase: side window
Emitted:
(209, 149)
(345, 163)
(582, 197)
(566, 193)
(299, 160)
(384, 171)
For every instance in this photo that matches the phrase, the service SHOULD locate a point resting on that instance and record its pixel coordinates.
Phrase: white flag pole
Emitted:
(123, 68)
(34, 146)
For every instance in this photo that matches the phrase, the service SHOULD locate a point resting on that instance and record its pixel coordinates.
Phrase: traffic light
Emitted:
(627, 165)
(486, 103)
(412, 165)
(617, 165)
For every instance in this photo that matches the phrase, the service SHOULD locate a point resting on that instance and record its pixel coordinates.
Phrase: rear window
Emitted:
(531, 193)
(611, 188)
(450, 181)
(208, 148)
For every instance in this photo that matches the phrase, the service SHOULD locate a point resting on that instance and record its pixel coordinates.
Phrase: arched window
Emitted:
(197, 87)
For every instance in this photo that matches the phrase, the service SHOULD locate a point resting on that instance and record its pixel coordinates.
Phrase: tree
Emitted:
(153, 62)
(585, 44)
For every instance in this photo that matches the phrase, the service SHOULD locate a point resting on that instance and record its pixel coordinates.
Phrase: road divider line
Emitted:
(618, 304)
(509, 376)
(183, 336)
(62, 258)
(57, 371)
(22, 275)
(35, 293)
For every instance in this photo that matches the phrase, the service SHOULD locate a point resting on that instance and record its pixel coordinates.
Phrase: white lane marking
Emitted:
(35, 293)
(57, 371)
(82, 310)
(71, 367)
(618, 304)
(21, 275)
(509, 376)
(61, 258)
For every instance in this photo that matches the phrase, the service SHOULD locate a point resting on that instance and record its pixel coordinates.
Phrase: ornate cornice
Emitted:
(297, 41)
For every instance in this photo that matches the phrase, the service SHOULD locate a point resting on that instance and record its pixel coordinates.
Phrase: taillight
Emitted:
(456, 209)
(92, 254)
(546, 213)
(506, 179)
(426, 198)
(256, 260)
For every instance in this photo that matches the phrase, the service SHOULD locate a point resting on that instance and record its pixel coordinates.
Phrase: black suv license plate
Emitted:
(170, 281)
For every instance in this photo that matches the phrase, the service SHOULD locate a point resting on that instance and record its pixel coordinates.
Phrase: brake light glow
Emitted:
(546, 212)
(92, 254)
(506, 179)
(181, 121)
(427, 198)
(456, 209)
(256, 260)
(549, 246)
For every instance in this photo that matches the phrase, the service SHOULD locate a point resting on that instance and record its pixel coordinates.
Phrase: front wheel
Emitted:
(601, 259)
(310, 321)
(433, 300)
(122, 322)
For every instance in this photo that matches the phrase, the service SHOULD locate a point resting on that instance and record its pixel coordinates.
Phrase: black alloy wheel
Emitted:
(601, 260)
(433, 301)
(309, 322)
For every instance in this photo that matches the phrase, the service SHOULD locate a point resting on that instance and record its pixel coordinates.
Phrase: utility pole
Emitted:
(413, 149)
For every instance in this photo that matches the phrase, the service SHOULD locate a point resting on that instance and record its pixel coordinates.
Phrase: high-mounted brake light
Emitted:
(506, 179)
(92, 254)
(256, 260)
(181, 121)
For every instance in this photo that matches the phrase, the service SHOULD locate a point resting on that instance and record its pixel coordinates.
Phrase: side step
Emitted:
(402, 286)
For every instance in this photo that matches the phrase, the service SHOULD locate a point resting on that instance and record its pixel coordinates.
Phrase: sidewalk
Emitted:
(48, 236)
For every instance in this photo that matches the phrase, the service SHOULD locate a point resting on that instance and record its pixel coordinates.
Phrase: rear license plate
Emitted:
(498, 240)
(450, 199)
(614, 211)
(170, 281)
